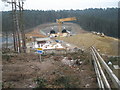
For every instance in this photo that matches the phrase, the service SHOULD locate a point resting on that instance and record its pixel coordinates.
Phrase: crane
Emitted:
(60, 21)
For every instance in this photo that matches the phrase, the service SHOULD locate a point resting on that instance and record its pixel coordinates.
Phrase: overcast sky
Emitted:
(63, 4)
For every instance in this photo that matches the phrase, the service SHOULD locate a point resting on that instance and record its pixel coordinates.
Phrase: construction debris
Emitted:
(71, 62)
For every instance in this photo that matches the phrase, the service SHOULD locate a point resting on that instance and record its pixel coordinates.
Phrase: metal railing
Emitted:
(100, 67)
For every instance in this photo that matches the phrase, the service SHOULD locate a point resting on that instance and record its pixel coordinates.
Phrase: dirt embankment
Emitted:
(106, 45)
(26, 71)
(48, 27)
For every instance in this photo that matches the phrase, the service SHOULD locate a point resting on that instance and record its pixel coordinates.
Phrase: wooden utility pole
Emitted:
(17, 28)
(18, 31)
(24, 38)
(22, 26)
(14, 30)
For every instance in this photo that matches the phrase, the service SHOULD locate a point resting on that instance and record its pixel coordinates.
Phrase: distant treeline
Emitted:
(100, 20)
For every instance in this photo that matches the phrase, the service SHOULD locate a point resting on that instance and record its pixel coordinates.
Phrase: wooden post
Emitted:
(40, 57)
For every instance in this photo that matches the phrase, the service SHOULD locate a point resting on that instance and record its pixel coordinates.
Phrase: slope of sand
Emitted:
(106, 45)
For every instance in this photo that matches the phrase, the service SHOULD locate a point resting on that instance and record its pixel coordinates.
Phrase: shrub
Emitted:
(41, 82)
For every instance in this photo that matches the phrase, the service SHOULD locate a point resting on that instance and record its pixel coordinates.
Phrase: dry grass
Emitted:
(106, 45)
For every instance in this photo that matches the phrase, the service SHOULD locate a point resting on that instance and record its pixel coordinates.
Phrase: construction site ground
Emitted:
(82, 38)
(106, 45)
(26, 71)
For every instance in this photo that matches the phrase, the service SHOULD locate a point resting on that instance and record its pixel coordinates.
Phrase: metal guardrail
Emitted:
(99, 65)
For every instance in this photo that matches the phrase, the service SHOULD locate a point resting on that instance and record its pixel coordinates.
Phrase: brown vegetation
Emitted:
(106, 45)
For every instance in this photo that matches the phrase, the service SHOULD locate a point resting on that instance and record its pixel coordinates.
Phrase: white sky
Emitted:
(62, 4)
